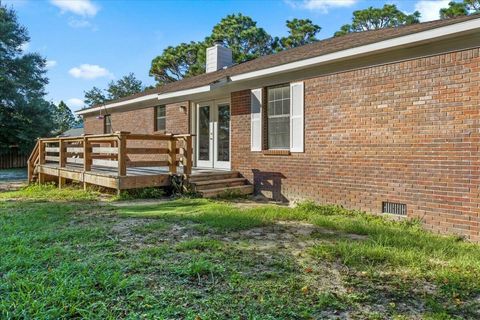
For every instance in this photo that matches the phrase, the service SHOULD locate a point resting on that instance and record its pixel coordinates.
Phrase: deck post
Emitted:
(62, 161)
(122, 155)
(87, 159)
(41, 160)
(187, 169)
(172, 155)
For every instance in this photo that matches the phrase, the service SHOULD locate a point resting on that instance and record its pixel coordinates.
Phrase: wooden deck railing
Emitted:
(119, 150)
(32, 161)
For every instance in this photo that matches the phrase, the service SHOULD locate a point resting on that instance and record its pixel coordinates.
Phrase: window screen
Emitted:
(160, 118)
(278, 108)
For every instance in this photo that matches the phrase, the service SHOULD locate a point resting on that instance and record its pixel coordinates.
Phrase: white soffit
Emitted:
(119, 104)
(182, 93)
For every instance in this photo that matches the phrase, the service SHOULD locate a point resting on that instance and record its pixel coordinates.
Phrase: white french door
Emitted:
(213, 135)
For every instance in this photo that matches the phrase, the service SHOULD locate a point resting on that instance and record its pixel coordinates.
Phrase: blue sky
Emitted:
(91, 42)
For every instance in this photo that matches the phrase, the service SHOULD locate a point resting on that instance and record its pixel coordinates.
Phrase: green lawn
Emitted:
(64, 254)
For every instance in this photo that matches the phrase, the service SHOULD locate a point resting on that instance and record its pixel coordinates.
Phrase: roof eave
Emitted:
(377, 47)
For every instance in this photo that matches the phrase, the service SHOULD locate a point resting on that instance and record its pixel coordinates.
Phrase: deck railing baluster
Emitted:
(41, 160)
(172, 155)
(122, 156)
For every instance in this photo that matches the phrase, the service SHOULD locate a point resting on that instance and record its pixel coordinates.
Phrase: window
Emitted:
(160, 118)
(107, 124)
(278, 117)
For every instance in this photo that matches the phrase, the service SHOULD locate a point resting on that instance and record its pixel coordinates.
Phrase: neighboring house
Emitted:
(73, 132)
(382, 121)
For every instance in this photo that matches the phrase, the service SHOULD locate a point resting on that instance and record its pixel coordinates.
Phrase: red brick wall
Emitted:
(92, 125)
(142, 120)
(178, 118)
(404, 132)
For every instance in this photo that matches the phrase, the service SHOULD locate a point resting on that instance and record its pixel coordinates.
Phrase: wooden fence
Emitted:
(13, 159)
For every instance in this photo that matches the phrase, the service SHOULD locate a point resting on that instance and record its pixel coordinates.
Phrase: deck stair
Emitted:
(33, 162)
(215, 184)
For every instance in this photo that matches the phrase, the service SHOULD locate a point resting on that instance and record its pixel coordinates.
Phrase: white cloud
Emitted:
(75, 103)
(50, 64)
(80, 7)
(79, 23)
(430, 8)
(320, 5)
(89, 71)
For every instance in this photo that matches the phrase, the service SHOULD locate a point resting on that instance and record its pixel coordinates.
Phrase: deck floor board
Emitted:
(131, 172)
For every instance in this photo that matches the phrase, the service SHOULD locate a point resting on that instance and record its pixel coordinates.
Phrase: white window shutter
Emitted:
(256, 119)
(296, 117)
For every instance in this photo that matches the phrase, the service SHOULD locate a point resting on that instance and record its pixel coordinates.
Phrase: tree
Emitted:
(176, 63)
(126, 86)
(457, 9)
(63, 118)
(24, 113)
(301, 32)
(123, 87)
(241, 34)
(94, 96)
(378, 18)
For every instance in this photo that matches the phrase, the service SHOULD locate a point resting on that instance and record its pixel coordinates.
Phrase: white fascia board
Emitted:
(175, 94)
(118, 104)
(377, 46)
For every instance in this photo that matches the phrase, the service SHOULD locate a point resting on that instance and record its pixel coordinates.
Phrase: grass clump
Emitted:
(142, 193)
(50, 192)
(200, 267)
(151, 227)
(201, 244)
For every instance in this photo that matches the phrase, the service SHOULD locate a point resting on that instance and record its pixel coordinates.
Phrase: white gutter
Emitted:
(419, 37)
(118, 104)
(377, 46)
(182, 93)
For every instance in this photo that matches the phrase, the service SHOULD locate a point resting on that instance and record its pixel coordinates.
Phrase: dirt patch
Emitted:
(129, 203)
(257, 201)
(127, 231)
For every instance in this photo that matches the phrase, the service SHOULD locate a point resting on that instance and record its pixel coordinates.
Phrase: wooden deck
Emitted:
(120, 160)
(139, 177)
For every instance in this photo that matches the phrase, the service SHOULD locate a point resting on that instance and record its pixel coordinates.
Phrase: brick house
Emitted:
(384, 121)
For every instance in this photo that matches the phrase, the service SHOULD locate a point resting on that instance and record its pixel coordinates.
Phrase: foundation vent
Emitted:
(394, 208)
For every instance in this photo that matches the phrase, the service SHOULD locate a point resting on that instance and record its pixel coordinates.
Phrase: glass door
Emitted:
(213, 135)
(204, 136)
(222, 136)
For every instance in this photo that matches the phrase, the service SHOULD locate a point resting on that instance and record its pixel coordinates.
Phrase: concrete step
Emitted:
(214, 176)
(240, 190)
(215, 184)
